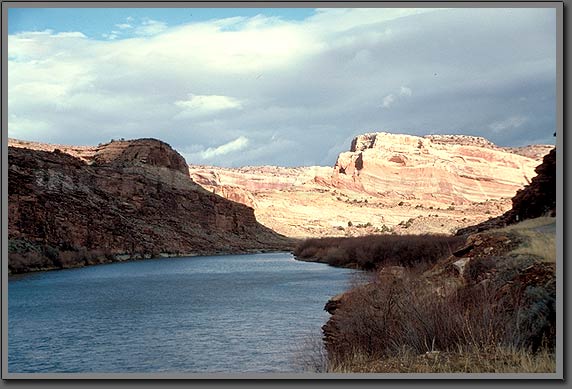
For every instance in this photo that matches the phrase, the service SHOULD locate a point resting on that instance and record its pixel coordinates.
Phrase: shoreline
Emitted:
(120, 258)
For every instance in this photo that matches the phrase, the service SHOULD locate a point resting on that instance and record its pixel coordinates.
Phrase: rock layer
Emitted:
(534, 200)
(434, 169)
(126, 199)
(385, 183)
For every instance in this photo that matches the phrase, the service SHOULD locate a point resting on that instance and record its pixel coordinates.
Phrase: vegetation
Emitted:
(496, 315)
(26, 256)
(499, 360)
(407, 326)
(371, 252)
(534, 242)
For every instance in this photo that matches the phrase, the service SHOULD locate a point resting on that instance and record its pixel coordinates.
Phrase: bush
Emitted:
(382, 319)
(28, 261)
(477, 267)
(374, 251)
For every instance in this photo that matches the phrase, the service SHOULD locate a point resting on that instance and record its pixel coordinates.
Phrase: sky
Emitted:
(278, 86)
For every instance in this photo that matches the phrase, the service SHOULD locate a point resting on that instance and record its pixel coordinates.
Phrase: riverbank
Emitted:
(81, 259)
(487, 306)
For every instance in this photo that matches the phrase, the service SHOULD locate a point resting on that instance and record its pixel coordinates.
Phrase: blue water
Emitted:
(239, 313)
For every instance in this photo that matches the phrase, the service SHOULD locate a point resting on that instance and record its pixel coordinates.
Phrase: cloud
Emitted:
(231, 147)
(296, 91)
(509, 123)
(72, 34)
(388, 101)
(124, 26)
(150, 27)
(405, 91)
(112, 35)
(198, 105)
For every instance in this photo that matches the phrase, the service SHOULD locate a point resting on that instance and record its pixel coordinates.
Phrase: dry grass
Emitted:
(470, 360)
(310, 355)
(502, 322)
(405, 326)
(529, 224)
(538, 244)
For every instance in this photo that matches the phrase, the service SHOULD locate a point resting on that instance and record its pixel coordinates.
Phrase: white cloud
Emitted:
(21, 127)
(511, 122)
(347, 18)
(124, 26)
(110, 36)
(405, 91)
(150, 27)
(231, 147)
(199, 105)
(388, 101)
(72, 34)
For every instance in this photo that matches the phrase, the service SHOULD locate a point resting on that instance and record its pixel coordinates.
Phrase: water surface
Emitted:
(239, 313)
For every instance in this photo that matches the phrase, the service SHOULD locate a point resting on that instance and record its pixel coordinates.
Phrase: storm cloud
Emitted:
(263, 90)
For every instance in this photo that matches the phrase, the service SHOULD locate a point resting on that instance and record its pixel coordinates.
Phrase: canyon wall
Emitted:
(385, 183)
(434, 169)
(121, 200)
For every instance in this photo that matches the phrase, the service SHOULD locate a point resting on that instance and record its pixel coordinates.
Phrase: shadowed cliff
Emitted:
(121, 200)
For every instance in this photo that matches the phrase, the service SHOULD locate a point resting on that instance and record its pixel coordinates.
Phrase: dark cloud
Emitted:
(293, 93)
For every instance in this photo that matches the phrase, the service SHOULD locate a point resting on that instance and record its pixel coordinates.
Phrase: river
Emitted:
(231, 314)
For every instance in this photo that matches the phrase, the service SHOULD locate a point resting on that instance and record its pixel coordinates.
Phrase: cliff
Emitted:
(536, 199)
(437, 169)
(121, 200)
(385, 183)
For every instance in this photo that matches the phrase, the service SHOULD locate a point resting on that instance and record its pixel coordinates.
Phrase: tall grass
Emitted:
(529, 224)
(538, 244)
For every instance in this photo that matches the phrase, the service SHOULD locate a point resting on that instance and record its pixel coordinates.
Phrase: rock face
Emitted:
(534, 200)
(385, 183)
(539, 197)
(435, 169)
(243, 184)
(121, 200)
(140, 152)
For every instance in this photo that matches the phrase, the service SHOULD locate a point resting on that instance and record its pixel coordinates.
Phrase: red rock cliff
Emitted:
(125, 199)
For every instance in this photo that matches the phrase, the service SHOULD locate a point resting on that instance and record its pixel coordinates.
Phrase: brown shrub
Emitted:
(28, 261)
(370, 252)
(381, 319)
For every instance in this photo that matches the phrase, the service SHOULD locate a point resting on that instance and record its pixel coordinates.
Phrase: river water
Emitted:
(231, 314)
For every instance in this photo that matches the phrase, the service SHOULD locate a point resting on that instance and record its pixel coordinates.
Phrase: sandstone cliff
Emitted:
(385, 183)
(434, 169)
(534, 200)
(121, 200)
